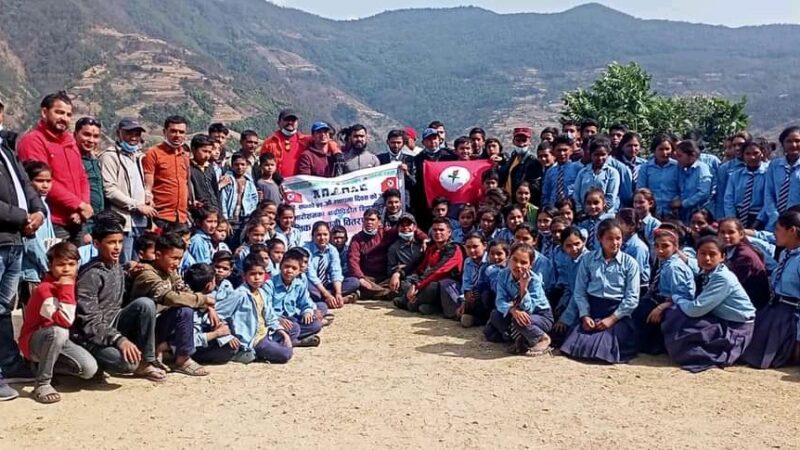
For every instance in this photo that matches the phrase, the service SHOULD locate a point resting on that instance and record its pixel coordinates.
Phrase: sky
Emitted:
(732, 13)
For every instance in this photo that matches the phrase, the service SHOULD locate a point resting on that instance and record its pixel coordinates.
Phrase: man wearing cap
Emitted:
(51, 142)
(6, 135)
(166, 173)
(431, 151)
(314, 159)
(522, 165)
(411, 141)
(358, 156)
(123, 183)
(287, 143)
(405, 253)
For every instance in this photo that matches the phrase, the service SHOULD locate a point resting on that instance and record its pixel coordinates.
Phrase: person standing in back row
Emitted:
(358, 156)
(51, 143)
(166, 173)
(287, 143)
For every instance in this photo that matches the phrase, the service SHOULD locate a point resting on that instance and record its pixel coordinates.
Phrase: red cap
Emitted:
(411, 133)
(524, 131)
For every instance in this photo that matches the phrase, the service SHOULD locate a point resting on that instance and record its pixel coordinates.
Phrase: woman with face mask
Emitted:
(123, 183)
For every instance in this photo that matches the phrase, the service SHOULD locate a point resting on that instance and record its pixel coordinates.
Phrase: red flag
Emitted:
(293, 197)
(458, 181)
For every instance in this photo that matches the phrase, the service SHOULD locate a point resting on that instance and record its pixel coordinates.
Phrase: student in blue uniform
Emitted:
(630, 146)
(547, 242)
(487, 283)
(522, 314)
(201, 247)
(471, 310)
(598, 174)
(782, 188)
(567, 258)
(735, 148)
(559, 180)
(694, 180)
(645, 205)
(285, 229)
(326, 284)
(292, 302)
(671, 276)
(635, 244)
(713, 327)
(660, 173)
(514, 217)
(744, 193)
(776, 330)
(542, 265)
(594, 208)
(606, 294)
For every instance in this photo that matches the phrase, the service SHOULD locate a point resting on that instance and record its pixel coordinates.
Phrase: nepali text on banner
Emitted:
(341, 200)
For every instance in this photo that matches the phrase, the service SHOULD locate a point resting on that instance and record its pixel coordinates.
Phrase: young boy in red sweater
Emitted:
(44, 337)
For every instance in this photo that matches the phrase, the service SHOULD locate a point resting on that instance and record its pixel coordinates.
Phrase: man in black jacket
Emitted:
(21, 214)
(432, 151)
(521, 166)
(398, 152)
(7, 136)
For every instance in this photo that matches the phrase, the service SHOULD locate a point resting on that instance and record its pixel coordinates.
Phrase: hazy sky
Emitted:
(725, 12)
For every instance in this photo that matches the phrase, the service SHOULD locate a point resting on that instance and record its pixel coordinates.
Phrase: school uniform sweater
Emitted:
(616, 279)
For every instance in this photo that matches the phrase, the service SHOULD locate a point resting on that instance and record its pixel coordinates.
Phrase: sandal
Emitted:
(310, 341)
(191, 368)
(46, 394)
(150, 372)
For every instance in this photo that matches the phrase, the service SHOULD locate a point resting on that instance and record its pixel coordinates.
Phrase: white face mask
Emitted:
(407, 236)
(288, 133)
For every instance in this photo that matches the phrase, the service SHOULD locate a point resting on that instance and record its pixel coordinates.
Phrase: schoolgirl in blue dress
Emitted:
(522, 314)
(660, 173)
(776, 329)
(594, 208)
(606, 294)
(670, 276)
(713, 327)
(694, 180)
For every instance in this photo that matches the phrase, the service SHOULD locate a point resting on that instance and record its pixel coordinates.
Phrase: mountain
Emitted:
(240, 61)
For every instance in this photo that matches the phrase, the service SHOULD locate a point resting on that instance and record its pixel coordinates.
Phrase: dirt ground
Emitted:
(388, 379)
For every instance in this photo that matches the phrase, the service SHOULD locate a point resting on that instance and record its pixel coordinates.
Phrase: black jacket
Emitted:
(205, 186)
(9, 138)
(527, 169)
(419, 202)
(402, 158)
(99, 291)
(12, 217)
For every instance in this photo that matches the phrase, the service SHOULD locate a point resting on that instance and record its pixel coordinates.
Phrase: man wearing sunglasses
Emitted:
(51, 142)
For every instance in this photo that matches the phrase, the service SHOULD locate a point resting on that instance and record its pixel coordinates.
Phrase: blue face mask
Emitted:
(406, 236)
(520, 150)
(128, 148)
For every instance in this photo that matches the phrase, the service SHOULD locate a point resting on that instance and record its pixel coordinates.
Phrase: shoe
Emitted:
(425, 310)
(244, 357)
(350, 299)
(467, 320)
(20, 372)
(310, 341)
(7, 392)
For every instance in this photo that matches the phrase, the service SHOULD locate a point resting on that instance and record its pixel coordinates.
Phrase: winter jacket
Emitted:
(12, 217)
(117, 176)
(99, 295)
(70, 182)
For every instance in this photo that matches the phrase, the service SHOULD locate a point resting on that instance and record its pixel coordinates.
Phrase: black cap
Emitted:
(409, 217)
(286, 113)
(128, 124)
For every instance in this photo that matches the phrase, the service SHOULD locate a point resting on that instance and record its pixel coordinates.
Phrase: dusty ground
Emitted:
(384, 378)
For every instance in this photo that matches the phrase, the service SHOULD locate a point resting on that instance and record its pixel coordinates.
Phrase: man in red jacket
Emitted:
(51, 142)
(442, 260)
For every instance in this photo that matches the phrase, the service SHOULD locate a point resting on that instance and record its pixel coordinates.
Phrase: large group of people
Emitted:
(128, 260)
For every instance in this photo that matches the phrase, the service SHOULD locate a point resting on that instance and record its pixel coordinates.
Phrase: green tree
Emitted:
(622, 94)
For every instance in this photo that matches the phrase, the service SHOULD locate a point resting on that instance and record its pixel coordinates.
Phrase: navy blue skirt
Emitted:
(651, 340)
(774, 337)
(615, 345)
(698, 344)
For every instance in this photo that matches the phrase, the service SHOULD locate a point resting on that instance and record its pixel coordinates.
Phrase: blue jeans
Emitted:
(127, 245)
(10, 272)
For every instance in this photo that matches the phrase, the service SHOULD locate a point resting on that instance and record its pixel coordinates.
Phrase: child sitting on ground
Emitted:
(292, 301)
(159, 280)
(211, 342)
(49, 314)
